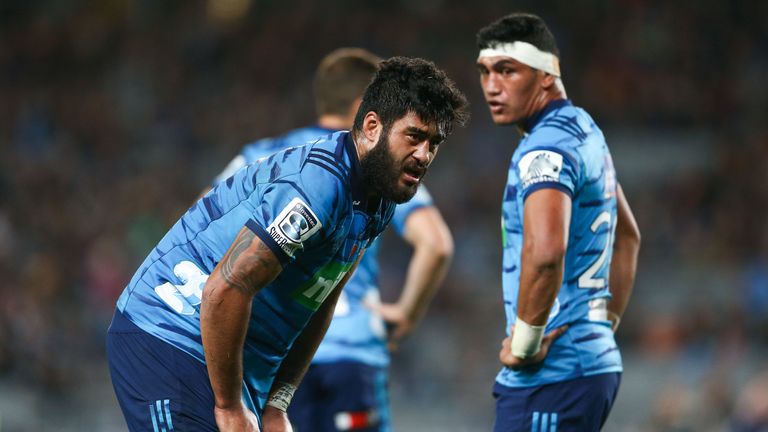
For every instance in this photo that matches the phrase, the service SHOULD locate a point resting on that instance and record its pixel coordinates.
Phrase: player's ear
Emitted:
(548, 81)
(372, 127)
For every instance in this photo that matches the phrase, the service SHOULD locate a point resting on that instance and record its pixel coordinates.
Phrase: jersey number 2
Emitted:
(587, 279)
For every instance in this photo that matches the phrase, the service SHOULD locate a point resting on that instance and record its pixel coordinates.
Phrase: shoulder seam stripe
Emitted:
(331, 160)
(329, 153)
(325, 161)
(327, 168)
(563, 123)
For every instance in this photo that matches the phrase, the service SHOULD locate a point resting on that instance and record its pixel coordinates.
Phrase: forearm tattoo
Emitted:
(244, 269)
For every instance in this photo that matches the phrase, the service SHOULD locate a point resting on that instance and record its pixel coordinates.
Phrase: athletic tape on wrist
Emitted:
(525, 53)
(526, 341)
(281, 396)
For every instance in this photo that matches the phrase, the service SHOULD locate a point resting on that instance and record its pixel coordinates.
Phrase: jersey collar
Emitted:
(531, 122)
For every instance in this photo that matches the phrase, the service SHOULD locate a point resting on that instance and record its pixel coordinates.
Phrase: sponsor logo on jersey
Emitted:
(295, 224)
(313, 292)
(540, 166)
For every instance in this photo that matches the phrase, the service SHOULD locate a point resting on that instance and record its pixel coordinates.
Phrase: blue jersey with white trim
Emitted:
(308, 205)
(355, 333)
(565, 150)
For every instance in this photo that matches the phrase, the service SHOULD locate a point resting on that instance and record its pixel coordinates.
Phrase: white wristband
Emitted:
(526, 341)
(281, 396)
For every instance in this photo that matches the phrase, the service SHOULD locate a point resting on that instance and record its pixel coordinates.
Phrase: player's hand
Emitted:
(399, 323)
(275, 420)
(236, 419)
(516, 363)
(615, 319)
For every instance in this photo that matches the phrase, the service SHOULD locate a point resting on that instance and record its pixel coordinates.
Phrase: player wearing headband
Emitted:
(570, 241)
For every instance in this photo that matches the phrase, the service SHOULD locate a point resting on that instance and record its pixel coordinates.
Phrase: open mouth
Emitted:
(413, 175)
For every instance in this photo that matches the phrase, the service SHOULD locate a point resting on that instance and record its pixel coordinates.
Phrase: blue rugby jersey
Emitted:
(264, 147)
(565, 150)
(355, 333)
(308, 205)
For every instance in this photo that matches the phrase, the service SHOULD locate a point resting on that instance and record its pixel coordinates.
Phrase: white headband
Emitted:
(525, 53)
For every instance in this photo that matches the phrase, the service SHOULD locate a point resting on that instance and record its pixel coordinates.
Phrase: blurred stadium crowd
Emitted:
(115, 114)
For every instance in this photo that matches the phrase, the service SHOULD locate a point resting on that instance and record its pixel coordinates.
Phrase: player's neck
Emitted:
(540, 102)
(334, 122)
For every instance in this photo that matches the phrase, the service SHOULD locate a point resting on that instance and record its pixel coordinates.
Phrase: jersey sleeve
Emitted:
(295, 214)
(404, 210)
(545, 167)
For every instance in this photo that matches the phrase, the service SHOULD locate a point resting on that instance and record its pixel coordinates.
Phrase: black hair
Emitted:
(341, 78)
(404, 85)
(518, 26)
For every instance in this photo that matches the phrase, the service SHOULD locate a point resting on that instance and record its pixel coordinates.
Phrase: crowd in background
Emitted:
(115, 114)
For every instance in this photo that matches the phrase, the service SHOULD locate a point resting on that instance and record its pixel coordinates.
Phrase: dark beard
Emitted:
(382, 175)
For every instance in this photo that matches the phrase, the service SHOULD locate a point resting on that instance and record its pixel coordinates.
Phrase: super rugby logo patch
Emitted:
(295, 223)
(540, 166)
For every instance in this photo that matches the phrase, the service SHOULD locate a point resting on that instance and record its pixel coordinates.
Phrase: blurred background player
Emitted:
(566, 278)
(346, 385)
(340, 79)
(219, 324)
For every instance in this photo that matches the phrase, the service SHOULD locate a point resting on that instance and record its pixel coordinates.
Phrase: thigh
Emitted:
(343, 396)
(158, 387)
(580, 405)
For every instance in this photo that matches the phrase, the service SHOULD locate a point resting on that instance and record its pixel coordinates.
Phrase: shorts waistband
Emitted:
(121, 324)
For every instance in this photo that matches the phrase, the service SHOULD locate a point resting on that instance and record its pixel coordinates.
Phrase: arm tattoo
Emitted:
(244, 269)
